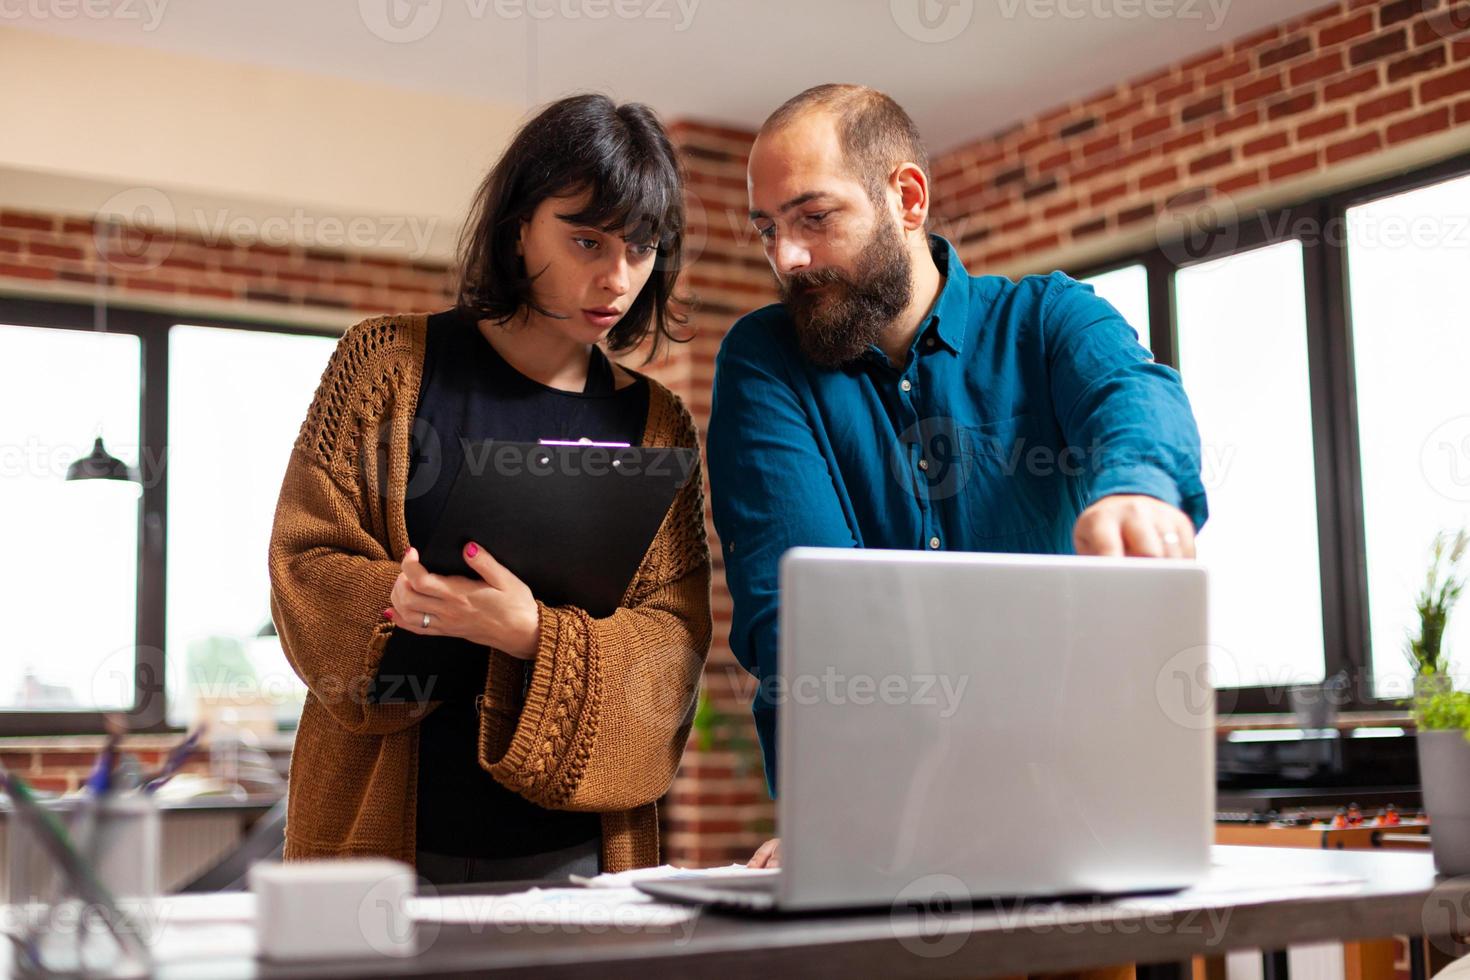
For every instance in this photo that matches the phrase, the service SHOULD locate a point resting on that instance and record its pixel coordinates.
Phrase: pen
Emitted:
(177, 756)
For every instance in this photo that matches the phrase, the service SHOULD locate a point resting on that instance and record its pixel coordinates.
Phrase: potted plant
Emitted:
(1441, 713)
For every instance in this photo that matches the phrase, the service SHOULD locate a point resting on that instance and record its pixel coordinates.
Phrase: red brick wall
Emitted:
(51, 250)
(1299, 99)
(61, 765)
(718, 810)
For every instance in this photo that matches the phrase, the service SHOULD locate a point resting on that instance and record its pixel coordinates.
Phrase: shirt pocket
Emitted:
(1010, 481)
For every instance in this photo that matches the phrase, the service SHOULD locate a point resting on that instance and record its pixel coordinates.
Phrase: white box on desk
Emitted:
(311, 910)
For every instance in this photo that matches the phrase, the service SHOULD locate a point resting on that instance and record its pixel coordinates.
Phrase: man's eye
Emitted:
(817, 218)
(586, 244)
(766, 233)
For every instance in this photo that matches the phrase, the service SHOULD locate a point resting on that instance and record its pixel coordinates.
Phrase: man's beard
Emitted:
(836, 325)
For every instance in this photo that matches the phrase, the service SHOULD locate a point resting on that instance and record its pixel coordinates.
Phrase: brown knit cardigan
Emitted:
(610, 701)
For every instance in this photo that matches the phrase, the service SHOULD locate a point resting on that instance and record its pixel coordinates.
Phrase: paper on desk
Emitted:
(606, 907)
(205, 907)
(624, 879)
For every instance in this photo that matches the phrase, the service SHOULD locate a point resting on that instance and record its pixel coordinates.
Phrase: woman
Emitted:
(543, 745)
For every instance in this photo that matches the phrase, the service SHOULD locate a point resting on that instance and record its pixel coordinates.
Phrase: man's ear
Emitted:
(912, 185)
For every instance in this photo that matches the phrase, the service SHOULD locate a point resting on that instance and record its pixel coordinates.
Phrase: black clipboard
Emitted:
(572, 521)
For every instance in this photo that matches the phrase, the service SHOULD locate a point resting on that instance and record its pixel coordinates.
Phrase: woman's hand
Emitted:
(496, 609)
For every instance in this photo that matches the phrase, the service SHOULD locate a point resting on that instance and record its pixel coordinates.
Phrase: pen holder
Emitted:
(63, 932)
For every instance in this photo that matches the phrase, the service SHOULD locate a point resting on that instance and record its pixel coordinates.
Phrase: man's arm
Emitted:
(1131, 419)
(771, 489)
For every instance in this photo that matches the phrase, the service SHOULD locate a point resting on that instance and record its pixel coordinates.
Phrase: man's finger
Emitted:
(763, 854)
(1142, 539)
(1098, 536)
(1183, 546)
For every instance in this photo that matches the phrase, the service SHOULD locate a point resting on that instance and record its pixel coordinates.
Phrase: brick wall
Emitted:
(1312, 99)
(1291, 103)
(191, 274)
(718, 810)
(60, 764)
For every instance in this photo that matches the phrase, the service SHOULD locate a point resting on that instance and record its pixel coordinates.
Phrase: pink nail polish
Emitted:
(472, 549)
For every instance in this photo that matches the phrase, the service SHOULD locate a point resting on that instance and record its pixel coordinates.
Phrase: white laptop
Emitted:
(984, 724)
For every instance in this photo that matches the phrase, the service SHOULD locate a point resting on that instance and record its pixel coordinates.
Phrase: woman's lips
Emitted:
(601, 317)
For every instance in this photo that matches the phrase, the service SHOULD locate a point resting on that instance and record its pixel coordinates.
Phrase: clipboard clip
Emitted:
(583, 442)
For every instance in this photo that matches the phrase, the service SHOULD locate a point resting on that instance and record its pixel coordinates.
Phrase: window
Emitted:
(149, 597)
(236, 402)
(71, 565)
(1322, 346)
(1243, 357)
(1127, 290)
(1408, 255)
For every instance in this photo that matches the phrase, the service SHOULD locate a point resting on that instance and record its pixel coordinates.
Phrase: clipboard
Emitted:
(572, 521)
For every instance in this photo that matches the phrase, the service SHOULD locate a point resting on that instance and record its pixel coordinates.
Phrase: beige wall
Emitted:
(234, 146)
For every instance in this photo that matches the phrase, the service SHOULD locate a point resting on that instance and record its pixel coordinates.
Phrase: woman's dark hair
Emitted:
(583, 142)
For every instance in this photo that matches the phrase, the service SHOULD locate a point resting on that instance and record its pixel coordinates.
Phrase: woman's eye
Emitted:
(586, 244)
(643, 250)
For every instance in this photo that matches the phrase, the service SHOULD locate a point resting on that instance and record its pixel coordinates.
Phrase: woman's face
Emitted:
(587, 275)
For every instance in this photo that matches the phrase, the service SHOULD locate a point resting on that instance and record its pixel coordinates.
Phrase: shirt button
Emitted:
(934, 543)
(906, 385)
(928, 341)
(923, 464)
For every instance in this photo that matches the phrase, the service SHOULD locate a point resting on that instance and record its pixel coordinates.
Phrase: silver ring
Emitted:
(1171, 537)
(426, 621)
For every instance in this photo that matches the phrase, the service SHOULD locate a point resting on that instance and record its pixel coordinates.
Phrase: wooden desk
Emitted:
(1399, 894)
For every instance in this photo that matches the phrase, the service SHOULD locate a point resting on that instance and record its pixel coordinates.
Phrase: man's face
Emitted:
(840, 263)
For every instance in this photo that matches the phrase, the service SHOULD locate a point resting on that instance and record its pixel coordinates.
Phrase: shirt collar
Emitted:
(951, 313)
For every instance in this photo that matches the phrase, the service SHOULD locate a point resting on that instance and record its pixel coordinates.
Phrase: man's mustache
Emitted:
(803, 282)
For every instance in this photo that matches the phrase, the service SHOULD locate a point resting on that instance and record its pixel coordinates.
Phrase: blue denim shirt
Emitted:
(1018, 405)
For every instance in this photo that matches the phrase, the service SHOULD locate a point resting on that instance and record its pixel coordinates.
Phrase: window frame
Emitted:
(149, 712)
(1337, 460)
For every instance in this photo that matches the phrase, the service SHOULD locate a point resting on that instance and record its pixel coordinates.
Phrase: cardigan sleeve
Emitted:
(331, 574)
(610, 701)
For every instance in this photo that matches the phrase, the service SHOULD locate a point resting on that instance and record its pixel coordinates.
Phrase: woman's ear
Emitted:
(521, 238)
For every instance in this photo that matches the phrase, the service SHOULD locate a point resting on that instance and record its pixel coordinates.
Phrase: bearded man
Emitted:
(893, 400)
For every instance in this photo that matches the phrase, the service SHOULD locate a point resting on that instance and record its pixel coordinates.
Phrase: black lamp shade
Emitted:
(100, 465)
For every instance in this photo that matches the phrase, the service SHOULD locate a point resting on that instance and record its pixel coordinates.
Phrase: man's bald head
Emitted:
(874, 134)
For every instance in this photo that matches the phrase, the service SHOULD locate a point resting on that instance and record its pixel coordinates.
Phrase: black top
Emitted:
(469, 392)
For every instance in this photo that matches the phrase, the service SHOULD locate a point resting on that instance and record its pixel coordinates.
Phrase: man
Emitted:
(892, 400)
